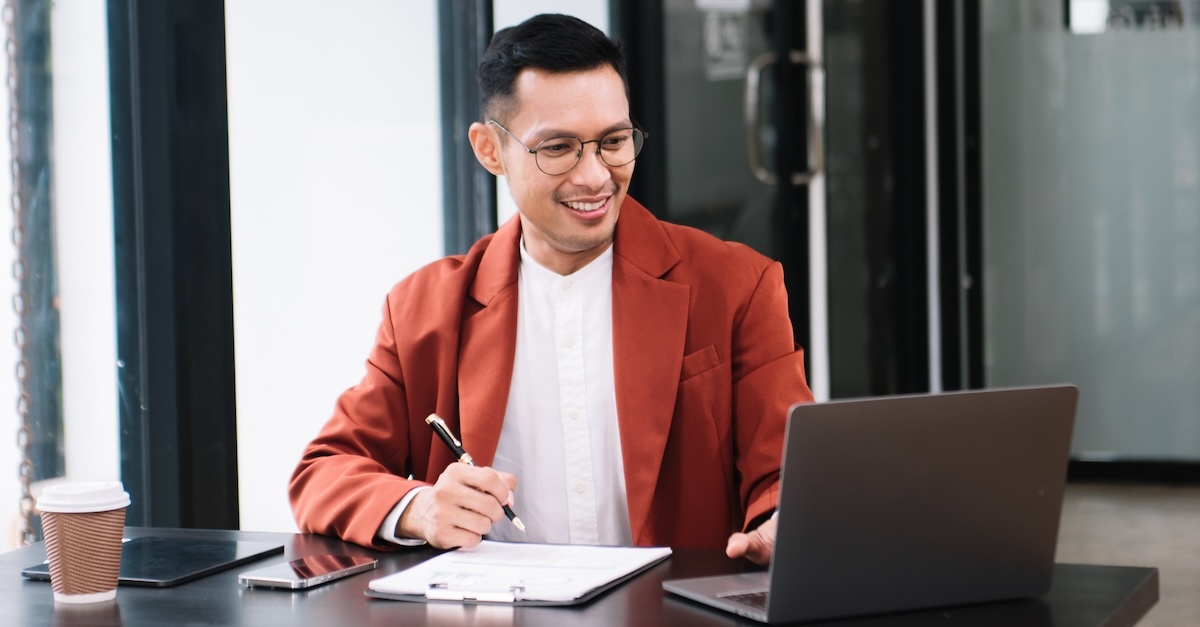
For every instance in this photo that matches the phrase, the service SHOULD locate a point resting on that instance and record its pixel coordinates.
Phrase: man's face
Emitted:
(568, 219)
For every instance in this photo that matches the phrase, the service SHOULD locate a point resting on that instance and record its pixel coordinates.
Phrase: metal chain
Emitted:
(21, 335)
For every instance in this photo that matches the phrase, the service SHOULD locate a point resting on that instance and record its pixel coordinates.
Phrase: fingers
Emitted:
(476, 485)
(508, 479)
(755, 546)
(751, 546)
(460, 508)
(737, 545)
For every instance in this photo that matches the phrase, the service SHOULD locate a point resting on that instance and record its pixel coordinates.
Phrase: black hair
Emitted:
(550, 42)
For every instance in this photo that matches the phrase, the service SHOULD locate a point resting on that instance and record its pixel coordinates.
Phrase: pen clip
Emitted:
(439, 427)
(434, 418)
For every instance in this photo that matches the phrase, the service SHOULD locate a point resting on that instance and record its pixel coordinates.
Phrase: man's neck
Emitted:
(563, 263)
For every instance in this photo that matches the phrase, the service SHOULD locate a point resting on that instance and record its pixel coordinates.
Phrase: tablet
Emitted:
(163, 562)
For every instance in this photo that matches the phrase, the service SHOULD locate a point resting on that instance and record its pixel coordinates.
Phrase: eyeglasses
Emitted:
(558, 155)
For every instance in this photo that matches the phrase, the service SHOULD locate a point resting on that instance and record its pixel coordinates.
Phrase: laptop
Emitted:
(899, 503)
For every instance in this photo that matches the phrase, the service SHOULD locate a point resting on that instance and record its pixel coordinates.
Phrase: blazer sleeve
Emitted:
(768, 378)
(351, 476)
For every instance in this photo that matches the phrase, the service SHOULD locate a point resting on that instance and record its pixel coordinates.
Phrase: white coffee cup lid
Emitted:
(80, 498)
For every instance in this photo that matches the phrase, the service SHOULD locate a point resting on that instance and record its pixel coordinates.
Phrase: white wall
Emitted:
(335, 183)
(84, 229)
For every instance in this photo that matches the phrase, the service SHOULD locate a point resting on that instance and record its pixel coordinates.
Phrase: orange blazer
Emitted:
(705, 363)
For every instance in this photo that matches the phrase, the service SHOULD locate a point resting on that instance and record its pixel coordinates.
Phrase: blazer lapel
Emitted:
(488, 345)
(649, 329)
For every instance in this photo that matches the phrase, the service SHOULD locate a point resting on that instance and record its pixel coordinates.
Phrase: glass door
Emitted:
(1090, 134)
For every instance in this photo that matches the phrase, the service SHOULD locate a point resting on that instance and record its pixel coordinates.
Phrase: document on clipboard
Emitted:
(518, 573)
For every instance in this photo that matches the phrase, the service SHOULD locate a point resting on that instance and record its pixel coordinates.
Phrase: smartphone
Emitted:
(306, 572)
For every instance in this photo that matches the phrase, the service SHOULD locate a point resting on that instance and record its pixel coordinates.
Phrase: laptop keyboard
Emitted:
(756, 600)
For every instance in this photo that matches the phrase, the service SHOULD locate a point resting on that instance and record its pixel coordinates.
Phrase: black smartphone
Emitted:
(306, 572)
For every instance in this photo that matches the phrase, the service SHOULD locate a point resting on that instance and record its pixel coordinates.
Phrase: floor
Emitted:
(1139, 525)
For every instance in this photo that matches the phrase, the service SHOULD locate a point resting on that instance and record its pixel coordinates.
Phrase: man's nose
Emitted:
(591, 168)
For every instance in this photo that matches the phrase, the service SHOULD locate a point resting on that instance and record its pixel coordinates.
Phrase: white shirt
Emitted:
(560, 435)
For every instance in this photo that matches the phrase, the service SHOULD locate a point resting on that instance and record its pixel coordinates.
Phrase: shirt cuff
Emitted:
(387, 531)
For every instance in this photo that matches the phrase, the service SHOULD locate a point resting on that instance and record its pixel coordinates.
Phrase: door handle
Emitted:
(816, 150)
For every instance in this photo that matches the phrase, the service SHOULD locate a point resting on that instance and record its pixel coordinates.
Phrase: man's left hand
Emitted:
(755, 546)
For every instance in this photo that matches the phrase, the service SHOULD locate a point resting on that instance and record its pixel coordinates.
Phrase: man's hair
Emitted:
(551, 42)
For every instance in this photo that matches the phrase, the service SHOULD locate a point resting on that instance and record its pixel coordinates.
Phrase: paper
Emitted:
(508, 572)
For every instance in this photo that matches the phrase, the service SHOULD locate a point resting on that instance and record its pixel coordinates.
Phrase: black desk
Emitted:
(1083, 596)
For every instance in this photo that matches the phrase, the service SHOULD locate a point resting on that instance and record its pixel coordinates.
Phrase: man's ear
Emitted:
(486, 144)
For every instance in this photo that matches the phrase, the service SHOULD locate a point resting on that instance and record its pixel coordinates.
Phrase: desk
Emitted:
(1083, 596)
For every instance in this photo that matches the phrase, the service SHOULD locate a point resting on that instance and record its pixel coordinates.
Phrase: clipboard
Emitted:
(518, 574)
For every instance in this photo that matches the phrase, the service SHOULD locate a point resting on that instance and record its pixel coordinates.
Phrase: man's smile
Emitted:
(589, 209)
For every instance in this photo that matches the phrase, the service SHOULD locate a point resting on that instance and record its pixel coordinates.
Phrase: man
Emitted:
(634, 375)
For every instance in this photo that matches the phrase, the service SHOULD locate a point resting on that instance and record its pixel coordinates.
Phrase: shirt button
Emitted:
(573, 414)
(569, 342)
(580, 487)
(566, 285)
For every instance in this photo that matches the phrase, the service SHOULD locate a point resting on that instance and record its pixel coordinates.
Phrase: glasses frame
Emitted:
(579, 154)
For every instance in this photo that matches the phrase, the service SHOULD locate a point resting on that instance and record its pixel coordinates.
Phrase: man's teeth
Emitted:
(585, 206)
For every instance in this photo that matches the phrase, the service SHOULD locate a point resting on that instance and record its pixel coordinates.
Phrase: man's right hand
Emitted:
(460, 508)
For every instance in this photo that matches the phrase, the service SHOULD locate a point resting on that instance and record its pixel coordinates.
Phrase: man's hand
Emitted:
(755, 546)
(459, 508)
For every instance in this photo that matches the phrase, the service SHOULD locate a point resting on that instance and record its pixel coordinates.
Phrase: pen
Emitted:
(439, 427)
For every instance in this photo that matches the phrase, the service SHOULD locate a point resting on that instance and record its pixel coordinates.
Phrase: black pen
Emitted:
(439, 427)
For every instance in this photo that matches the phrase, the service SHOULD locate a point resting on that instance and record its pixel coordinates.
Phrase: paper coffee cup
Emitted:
(82, 524)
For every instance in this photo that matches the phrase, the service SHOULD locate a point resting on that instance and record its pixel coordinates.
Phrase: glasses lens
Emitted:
(558, 155)
(621, 147)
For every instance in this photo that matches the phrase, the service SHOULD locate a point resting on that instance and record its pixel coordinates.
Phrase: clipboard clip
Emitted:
(443, 592)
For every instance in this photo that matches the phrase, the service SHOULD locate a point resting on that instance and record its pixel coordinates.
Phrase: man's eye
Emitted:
(554, 148)
(613, 142)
